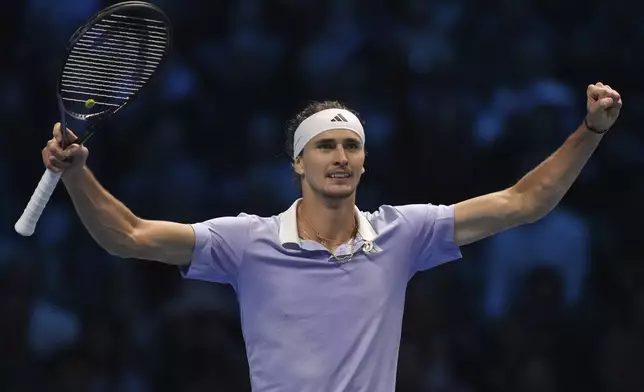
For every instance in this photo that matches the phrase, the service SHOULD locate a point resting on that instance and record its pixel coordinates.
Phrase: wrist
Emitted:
(590, 128)
(73, 175)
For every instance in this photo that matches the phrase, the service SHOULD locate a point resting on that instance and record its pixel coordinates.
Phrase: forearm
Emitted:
(108, 221)
(544, 187)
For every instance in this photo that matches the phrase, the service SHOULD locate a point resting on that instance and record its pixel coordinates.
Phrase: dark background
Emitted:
(460, 98)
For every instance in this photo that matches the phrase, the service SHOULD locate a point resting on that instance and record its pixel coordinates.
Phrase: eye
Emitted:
(353, 146)
(326, 146)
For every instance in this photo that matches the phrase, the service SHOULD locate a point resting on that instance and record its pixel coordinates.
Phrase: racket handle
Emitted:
(27, 223)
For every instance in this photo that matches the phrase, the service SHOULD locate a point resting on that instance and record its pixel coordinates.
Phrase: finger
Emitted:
(615, 95)
(53, 147)
(59, 164)
(610, 93)
(45, 155)
(594, 92)
(605, 102)
(599, 84)
(57, 133)
(609, 90)
(53, 163)
(71, 151)
(71, 136)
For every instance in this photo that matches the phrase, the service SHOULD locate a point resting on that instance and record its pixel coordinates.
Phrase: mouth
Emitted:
(339, 175)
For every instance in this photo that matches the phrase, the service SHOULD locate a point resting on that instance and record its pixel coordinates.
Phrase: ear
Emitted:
(298, 165)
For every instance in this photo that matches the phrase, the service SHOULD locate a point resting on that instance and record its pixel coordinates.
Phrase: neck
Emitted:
(332, 219)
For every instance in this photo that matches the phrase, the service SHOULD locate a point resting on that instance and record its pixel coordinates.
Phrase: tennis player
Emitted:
(321, 286)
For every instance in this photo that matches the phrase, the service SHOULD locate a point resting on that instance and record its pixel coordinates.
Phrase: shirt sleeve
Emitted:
(433, 229)
(219, 249)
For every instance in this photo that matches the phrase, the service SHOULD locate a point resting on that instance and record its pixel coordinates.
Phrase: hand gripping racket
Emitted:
(107, 62)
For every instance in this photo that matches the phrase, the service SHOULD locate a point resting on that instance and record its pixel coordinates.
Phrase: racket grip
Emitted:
(27, 223)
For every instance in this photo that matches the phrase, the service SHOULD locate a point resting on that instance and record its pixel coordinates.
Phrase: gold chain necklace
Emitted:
(337, 258)
(326, 241)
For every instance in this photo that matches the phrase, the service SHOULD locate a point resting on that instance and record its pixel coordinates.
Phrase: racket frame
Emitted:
(93, 119)
(26, 224)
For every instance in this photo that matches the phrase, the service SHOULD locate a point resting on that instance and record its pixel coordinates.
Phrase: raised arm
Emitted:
(114, 227)
(539, 191)
(121, 233)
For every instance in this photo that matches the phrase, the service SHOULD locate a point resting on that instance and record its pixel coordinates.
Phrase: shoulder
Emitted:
(247, 226)
(407, 214)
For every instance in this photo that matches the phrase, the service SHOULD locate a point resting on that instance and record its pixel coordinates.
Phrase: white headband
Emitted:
(322, 121)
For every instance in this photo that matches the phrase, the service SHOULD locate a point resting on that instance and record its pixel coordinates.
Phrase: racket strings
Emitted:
(112, 60)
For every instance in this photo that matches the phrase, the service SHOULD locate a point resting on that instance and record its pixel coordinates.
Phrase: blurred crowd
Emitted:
(459, 98)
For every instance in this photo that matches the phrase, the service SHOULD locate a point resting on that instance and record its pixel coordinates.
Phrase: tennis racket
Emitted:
(107, 62)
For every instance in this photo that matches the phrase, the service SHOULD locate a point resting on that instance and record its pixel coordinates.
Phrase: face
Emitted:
(331, 164)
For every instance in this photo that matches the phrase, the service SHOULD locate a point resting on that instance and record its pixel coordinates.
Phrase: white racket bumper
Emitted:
(27, 223)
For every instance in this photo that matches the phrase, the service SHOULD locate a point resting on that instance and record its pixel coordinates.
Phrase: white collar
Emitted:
(288, 226)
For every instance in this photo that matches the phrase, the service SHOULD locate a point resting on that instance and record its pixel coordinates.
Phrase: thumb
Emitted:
(605, 102)
(71, 136)
(72, 150)
(57, 133)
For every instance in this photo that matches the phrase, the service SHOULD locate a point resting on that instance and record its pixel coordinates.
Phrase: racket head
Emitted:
(109, 59)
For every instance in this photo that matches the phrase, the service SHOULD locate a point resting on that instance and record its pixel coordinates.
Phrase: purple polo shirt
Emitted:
(310, 322)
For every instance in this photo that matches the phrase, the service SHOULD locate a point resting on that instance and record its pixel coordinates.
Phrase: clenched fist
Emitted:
(603, 105)
(59, 160)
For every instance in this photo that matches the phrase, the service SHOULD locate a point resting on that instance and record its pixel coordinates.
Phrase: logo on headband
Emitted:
(339, 118)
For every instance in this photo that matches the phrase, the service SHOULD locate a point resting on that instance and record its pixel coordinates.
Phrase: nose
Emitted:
(341, 156)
